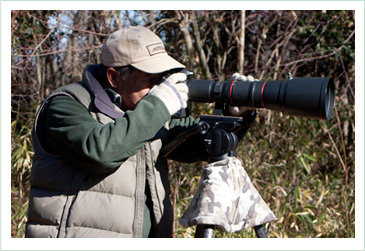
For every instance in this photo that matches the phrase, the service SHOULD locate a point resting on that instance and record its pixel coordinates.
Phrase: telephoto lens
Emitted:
(304, 97)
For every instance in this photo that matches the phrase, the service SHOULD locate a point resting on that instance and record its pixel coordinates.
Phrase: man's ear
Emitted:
(111, 75)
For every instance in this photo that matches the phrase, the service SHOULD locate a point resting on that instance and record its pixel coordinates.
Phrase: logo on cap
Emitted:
(154, 49)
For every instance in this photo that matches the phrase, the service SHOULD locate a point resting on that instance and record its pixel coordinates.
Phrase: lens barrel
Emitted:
(305, 97)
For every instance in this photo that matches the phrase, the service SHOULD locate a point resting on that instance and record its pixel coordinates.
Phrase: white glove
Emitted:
(173, 92)
(240, 77)
(238, 110)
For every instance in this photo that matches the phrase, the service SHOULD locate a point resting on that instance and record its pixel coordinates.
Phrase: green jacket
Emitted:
(96, 171)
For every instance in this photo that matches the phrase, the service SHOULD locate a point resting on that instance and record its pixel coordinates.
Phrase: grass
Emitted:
(21, 158)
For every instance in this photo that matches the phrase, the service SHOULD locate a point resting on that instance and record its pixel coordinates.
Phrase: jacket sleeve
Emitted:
(74, 134)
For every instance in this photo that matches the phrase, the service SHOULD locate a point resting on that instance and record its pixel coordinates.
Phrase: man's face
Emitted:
(136, 87)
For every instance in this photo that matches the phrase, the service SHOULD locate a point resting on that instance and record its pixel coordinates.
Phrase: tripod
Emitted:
(220, 142)
(219, 145)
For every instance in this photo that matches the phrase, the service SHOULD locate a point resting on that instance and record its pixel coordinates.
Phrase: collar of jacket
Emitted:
(102, 100)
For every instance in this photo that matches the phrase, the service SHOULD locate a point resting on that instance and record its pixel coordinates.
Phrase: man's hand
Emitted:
(240, 77)
(173, 92)
(240, 110)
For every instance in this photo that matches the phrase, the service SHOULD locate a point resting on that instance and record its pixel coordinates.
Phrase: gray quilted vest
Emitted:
(68, 202)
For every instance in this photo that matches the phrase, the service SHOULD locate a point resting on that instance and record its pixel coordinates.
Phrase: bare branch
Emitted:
(323, 56)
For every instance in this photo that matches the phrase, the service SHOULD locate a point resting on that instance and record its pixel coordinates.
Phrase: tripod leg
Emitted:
(204, 231)
(260, 231)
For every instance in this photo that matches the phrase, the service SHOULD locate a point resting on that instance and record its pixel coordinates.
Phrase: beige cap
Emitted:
(139, 47)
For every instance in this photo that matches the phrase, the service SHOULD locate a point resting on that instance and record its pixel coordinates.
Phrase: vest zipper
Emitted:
(140, 187)
(155, 180)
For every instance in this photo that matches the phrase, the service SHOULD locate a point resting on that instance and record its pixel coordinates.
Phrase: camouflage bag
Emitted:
(226, 198)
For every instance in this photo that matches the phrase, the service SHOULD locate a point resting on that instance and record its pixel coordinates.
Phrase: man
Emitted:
(96, 170)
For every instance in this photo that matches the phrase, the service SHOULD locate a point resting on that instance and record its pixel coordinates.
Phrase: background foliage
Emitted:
(303, 168)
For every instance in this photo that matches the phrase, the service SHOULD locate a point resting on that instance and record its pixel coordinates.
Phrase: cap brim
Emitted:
(158, 64)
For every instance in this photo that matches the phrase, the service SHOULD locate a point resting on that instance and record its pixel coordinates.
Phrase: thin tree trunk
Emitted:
(241, 45)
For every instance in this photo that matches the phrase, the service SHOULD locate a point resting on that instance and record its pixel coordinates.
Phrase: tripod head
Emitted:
(219, 141)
